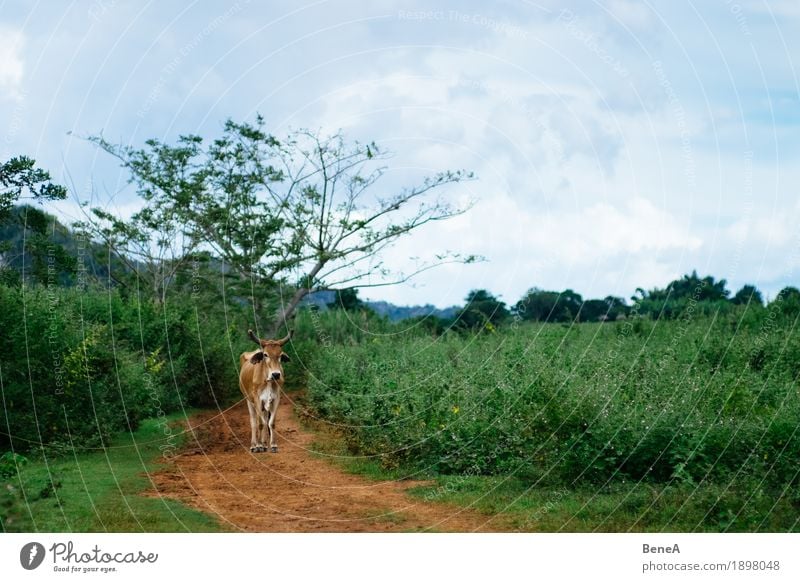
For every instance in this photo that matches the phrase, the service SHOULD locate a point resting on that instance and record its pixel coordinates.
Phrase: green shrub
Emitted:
(80, 364)
(670, 401)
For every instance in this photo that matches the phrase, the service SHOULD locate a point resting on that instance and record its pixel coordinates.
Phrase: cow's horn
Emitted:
(253, 337)
(287, 338)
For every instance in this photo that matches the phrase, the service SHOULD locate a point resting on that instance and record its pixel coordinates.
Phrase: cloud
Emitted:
(632, 14)
(778, 8)
(12, 65)
(599, 249)
(602, 230)
(597, 171)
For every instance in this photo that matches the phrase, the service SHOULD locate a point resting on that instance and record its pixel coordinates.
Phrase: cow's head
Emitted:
(269, 357)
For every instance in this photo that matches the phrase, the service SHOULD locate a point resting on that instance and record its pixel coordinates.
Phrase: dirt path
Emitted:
(294, 490)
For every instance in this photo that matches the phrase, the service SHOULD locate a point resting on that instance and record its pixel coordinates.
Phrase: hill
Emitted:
(391, 311)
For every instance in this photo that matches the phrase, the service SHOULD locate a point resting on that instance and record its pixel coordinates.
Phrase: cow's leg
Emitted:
(263, 416)
(254, 448)
(265, 406)
(273, 413)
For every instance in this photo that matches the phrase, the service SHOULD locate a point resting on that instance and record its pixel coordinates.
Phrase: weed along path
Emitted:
(294, 490)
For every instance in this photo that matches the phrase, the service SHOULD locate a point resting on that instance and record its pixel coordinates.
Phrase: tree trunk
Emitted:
(287, 312)
(284, 314)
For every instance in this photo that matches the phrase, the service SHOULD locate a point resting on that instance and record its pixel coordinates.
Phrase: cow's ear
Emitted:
(285, 358)
(257, 357)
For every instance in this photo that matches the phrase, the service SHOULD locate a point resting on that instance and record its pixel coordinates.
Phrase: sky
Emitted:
(617, 144)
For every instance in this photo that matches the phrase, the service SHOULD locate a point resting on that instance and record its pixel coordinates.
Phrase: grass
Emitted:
(550, 507)
(619, 507)
(631, 507)
(99, 491)
(682, 425)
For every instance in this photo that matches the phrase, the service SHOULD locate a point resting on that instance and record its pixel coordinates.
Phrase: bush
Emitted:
(78, 365)
(659, 401)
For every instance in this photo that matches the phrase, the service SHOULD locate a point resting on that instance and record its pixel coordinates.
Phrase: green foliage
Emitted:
(348, 300)
(692, 286)
(295, 213)
(80, 364)
(746, 295)
(743, 506)
(567, 306)
(686, 297)
(19, 176)
(482, 310)
(675, 402)
(429, 324)
(10, 463)
(317, 329)
(34, 248)
(14, 513)
(38, 248)
(788, 301)
(540, 305)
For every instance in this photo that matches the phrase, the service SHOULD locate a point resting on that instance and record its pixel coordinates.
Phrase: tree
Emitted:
(536, 305)
(676, 298)
(482, 309)
(149, 245)
(607, 309)
(616, 307)
(540, 305)
(20, 179)
(153, 243)
(32, 248)
(789, 300)
(747, 295)
(569, 306)
(348, 300)
(692, 287)
(290, 217)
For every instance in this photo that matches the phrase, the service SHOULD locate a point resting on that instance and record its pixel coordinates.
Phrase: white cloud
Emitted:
(598, 250)
(11, 63)
(585, 179)
(573, 193)
(634, 15)
(778, 8)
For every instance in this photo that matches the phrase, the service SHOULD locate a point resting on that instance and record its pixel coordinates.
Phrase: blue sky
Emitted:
(618, 144)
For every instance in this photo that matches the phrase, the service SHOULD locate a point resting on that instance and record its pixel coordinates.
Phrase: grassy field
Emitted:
(683, 425)
(639, 425)
(621, 507)
(98, 491)
(514, 503)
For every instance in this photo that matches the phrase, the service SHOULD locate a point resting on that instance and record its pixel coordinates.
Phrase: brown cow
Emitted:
(261, 382)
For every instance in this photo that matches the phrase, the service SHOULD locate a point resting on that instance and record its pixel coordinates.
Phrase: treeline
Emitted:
(690, 295)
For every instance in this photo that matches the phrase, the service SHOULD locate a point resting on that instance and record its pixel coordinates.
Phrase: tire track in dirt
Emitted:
(294, 490)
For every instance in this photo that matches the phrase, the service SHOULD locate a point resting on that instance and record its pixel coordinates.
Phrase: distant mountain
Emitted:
(398, 312)
(394, 312)
(319, 299)
(31, 238)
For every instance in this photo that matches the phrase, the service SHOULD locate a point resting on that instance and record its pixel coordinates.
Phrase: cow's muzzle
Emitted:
(276, 375)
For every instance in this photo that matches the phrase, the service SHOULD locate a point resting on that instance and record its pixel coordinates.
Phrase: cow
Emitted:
(261, 382)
